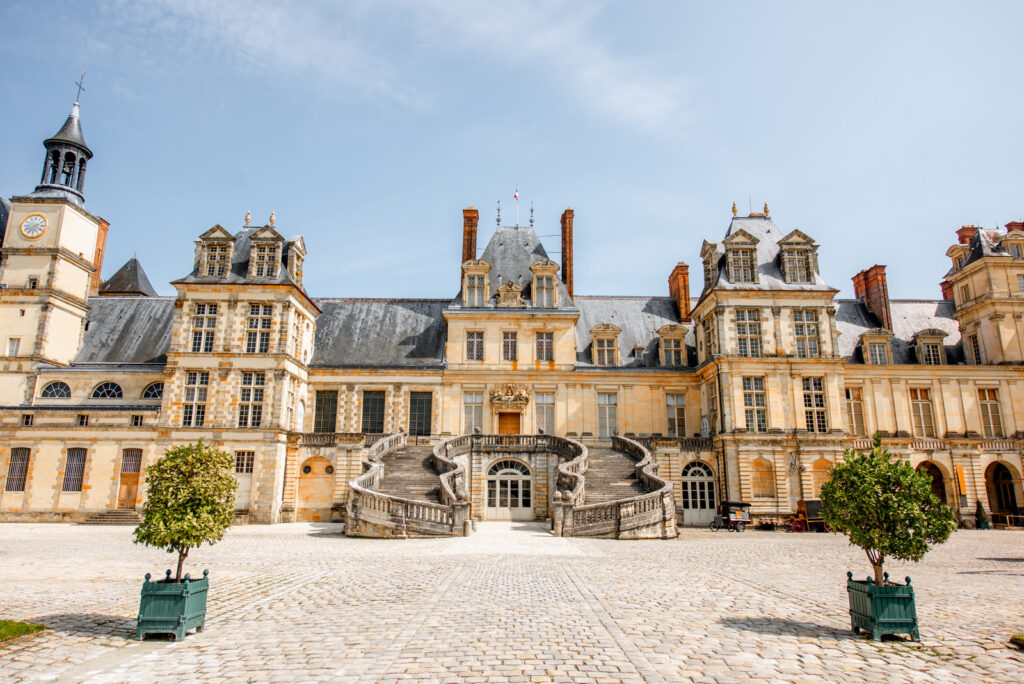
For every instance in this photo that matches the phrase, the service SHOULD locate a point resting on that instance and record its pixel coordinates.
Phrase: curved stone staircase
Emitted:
(611, 475)
(408, 474)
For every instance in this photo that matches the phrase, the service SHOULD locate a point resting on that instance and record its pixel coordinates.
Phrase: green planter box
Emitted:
(882, 610)
(168, 607)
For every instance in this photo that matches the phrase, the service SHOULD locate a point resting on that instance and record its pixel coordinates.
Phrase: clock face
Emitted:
(33, 226)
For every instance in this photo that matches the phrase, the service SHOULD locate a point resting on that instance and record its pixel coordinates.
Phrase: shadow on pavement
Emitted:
(90, 624)
(1004, 560)
(783, 626)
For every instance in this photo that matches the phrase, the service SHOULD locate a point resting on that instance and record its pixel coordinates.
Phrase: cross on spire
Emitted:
(81, 88)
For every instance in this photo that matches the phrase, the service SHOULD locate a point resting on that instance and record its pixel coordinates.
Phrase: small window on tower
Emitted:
(33, 282)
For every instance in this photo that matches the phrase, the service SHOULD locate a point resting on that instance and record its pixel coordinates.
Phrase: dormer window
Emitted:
(266, 261)
(476, 291)
(929, 347)
(296, 258)
(879, 353)
(741, 265)
(217, 260)
(797, 266)
(673, 346)
(605, 347)
(875, 346)
(475, 288)
(545, 292)
(1015, 250)
(798, 258)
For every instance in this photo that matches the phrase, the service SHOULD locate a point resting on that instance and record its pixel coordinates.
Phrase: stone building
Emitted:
(749, 391)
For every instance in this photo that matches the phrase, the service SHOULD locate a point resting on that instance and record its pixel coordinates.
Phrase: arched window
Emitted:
(54, 166)
(57, 390)
(154, 391)
(67, 175)
(81, 174)
(107, 390)
(762, 478)
(821, 471)
(698, 490)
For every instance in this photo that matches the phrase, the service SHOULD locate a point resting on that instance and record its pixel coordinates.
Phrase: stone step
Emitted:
(408, 474)
(114, 518)
(611, 475)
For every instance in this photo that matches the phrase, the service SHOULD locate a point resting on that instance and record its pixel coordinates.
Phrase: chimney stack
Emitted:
(947, 290)
(470, 219)
(567, 249)
(1015, 225)
(679, 289)
(870, 287)
(965, 234)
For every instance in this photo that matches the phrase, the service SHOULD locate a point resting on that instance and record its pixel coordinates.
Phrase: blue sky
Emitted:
(368, 126)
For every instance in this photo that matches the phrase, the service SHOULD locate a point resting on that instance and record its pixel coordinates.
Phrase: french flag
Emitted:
(516, 196)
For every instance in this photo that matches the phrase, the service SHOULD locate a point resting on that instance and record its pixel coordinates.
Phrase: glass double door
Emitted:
(509, 493)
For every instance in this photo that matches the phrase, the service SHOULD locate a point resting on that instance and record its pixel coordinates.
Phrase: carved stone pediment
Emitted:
(510, 394)
(510, 294)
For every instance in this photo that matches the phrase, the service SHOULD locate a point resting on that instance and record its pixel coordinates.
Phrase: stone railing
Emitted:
(374, 514)
(455, 488)
(645, 516)
(333, 438)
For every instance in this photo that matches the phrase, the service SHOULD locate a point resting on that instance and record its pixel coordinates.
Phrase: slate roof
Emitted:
(240, 264)
(71, 131)
(127, 330)
(386, 333)
(909, 316)
(986, 242)
(130, 280)
(510, 253)
(639, 317)
(768, 272)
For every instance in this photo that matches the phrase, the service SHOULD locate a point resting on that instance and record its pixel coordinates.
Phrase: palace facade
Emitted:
(749, 391)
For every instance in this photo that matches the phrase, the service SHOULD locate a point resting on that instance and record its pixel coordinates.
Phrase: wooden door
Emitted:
(128, 490)
(508, 423)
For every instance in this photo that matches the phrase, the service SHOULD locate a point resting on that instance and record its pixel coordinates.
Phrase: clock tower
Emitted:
(49, 265)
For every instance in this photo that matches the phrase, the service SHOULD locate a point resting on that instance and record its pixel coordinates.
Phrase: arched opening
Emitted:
(316, 490)
(54, 167)
(938, 479)
(107, 390)
(698, 490)
(762, 478)
(821, 471)
(1002, 494)
(67, 175)
(509, 493)
(81, 175)
(57, 390)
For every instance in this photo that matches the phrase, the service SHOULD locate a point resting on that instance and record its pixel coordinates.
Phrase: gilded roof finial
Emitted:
(273, 217)
(765, 208)
(733, 208)
(248, 217)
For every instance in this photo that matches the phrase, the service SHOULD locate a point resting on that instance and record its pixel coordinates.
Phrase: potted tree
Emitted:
(981, 520)
(190, 499)
(888, 509)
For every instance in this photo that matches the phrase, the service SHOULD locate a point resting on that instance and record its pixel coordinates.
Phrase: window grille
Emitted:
(83, 420)
(976, 349)
(154, 391)
(509, 346)
(546, 412)
(217, 261)
(204, 323)
(136, 420)
(676, 415)
(420, 412)
(27, 420)
(476, 293)
(373, 412)
(673, 348)
(474, 346)
(878, 353)
(991, 419)
(798, 266)
(932, 354)
(107, 390)
(921, 407)
(250, 405)
(266, 261)
(545, 291)
(17, 471)
(131, 460)
(244, 461)
(325, 412)
(604, 351)
(473, 408)
(193, 409)
(755, 404)
(805, 324)
(257, 340)
(74, 470)
(742, 265)
(545, 346)
(748, 332)
(814, 405)
(57, 390)
(607, 418)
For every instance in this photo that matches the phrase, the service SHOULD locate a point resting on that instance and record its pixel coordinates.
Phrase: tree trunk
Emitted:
(182, 555)
(879, 577)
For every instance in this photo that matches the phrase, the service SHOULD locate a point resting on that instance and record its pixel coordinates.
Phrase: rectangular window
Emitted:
(204, 323)
(217, 261)
(74, 470)
(805, 324)
(975, 349)
(932, 354)
(921, 407)
(1015, 251)
(607, 417)
(545, 291)
(991, 419)
(509, 346)
(604, 351)
(83, 420)
(878, 354)
(373, 412)
(855, 411)
(474, 346)
(17, 471)
(546, 412)
(742, 265)
(266, 261)
(193, 409)
(250, 399)
(755, 405)
(131, 460)
(325, 412)
(473, 408)
(33, 282)
(798, 266)
(257, 340)
(814, 405)
(673, 348)
(27, 420)
(676, 415)
(420, 412)
(965, 295)
(13, 346)
(713, 407)
(748, 332)
(1020, 283)
(476, 294)
(244, 461)
(545, 346)
(136, 421)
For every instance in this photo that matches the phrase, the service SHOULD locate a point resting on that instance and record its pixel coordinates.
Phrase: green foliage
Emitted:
(190, 499)
(980, 515)
(885, 507)
(10, 629)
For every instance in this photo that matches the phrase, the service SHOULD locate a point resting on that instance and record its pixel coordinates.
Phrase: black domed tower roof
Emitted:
(64, 166)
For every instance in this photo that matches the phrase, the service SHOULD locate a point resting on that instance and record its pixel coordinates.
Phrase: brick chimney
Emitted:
(947, 290)
(567, 249)
(1015, 225)
(97, 259)
(470, 219)
(679, 289)
(965, 234)
(870, 287)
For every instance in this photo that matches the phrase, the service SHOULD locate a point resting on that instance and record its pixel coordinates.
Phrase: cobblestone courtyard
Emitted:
(301, 602)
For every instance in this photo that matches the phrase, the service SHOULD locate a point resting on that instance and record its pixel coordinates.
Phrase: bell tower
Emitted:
(49, 265)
